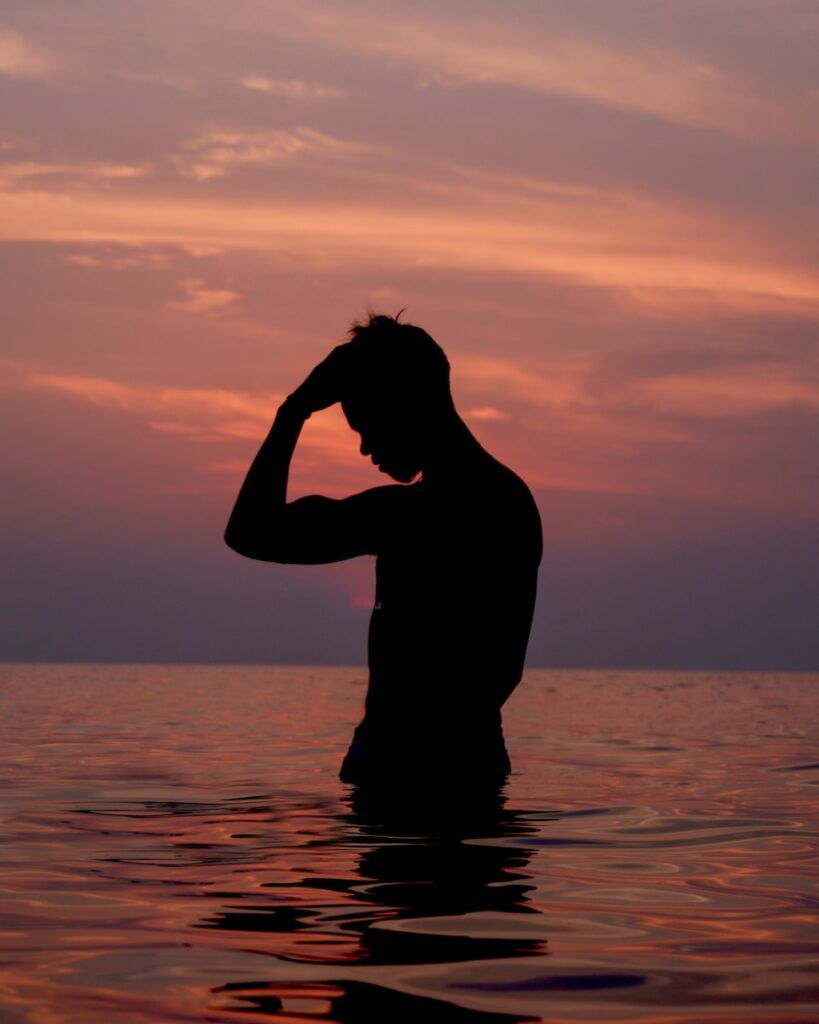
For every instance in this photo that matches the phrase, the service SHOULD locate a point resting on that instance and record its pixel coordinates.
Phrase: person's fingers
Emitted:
(324, 384)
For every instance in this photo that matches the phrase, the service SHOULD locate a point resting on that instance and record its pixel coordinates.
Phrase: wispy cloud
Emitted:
(513, 379)
(169, 80)
(641, 78)
(105, 391)
(219, 152)
(201, 299)
(203, 415)
(290, 88)
(120, 258)
(588, 386)
(721, 394)
(22, 171)
(19, 59)
(487, 414)
(665, 426)
(605, 242)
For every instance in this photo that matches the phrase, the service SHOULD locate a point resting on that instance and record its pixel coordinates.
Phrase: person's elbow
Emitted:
(237, 540)
(233, 539)
(248, 542)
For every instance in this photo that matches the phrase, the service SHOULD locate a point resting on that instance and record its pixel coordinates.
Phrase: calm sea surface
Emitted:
(176, 846)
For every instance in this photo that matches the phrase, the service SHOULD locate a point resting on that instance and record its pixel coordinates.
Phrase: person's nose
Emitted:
(365, 449)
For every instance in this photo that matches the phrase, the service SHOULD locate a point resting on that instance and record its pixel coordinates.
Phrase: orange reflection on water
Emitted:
(180, 845)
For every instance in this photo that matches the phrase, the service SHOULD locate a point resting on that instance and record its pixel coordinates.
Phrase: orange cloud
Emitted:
(727, 394)
(200, 299)
(219, 152)
(606, 240)
(644, 79)
(486, 413)
(119, 260)
(146, 398)
(13, 173)
(639, 426)
(201, 414)
(518, 382)
(290, 88)
(181, 82)
(19, 59)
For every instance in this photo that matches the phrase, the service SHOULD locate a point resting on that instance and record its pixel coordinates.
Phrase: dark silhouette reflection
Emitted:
(359, 1003)
(426, 862)
(429, 862)
(457, 554)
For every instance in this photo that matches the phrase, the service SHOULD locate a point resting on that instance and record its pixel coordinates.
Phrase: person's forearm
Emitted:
(263, 494)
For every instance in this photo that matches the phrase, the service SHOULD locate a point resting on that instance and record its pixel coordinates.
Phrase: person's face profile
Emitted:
(386, 438)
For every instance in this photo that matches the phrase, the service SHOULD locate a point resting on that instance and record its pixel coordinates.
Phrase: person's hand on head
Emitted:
(323, 385)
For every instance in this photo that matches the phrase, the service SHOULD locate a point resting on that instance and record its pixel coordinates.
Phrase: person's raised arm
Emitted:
(256, 525)
(313, 529)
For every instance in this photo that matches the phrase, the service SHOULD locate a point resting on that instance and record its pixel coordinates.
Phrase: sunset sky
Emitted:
(605, 212)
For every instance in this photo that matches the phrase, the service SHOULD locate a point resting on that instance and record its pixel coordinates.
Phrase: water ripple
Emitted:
(183, 860)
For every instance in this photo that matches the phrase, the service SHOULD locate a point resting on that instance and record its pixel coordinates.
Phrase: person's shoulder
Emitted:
(514, 500)
(511, 481)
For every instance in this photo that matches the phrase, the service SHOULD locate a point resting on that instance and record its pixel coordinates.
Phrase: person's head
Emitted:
(398, 388)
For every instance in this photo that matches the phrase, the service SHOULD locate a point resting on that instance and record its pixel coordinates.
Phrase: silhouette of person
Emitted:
(457, 543)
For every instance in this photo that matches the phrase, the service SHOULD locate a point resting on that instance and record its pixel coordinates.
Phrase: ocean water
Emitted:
(176, 846)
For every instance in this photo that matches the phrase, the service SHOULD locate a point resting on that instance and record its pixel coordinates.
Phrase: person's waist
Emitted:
(391, 737)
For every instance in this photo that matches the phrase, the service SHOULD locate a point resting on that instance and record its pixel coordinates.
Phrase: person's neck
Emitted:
(452, 451)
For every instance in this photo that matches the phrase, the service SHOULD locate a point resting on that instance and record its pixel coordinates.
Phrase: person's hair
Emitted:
(396, 360)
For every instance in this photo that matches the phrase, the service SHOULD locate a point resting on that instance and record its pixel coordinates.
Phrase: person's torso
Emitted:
(455, 589)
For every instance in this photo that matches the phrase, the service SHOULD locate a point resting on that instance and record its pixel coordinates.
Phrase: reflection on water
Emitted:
(421, 864)
(177, 846)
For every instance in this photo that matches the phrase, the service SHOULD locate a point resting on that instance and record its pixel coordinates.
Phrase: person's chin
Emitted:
(402, 475)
